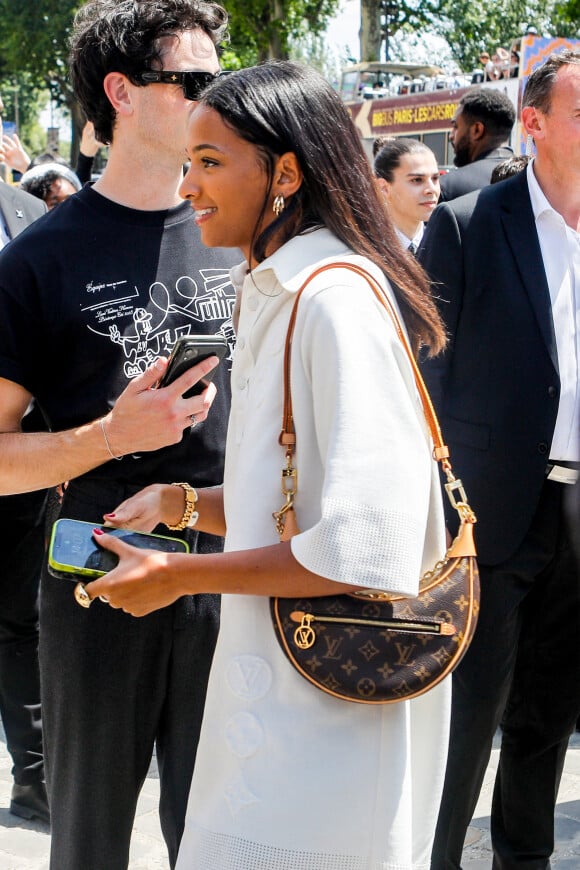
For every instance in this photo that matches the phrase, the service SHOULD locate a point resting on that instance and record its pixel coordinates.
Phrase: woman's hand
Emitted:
(89, 144)
(13, 153)
(142, 581)
(146, 418)
(159, 503)
(165, 503)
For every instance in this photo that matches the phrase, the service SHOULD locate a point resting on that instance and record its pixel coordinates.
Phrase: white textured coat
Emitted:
(288, 778)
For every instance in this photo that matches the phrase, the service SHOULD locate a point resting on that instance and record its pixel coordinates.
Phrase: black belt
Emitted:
(563, 471)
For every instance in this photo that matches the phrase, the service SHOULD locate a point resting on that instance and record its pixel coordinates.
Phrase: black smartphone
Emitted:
(187, 352)
(73, 549)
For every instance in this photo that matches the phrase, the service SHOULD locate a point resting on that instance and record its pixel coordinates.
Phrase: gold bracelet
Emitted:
(190, 515)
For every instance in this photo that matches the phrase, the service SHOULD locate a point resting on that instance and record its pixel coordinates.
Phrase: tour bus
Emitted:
(419, 100)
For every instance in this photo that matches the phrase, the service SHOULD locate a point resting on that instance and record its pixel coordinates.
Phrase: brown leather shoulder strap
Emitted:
(288, 435)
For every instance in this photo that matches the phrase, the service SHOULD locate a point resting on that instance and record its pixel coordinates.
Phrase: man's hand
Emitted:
(146, 418)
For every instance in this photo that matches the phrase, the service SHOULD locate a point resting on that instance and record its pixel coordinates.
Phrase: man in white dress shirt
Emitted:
(505, 262)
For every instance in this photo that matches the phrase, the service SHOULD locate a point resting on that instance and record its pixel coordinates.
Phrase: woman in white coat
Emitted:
(287, 776)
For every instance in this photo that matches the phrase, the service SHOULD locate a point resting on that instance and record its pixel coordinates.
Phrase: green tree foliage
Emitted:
(23, 103)
(472, 25)
(468, 26)
(265, 29)
(567, 18)
(383, 19)
(33, 50)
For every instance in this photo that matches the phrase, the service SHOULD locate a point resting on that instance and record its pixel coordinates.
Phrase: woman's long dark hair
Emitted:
(283, 106)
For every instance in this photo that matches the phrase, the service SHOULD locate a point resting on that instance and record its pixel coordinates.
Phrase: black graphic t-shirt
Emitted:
(90, 295)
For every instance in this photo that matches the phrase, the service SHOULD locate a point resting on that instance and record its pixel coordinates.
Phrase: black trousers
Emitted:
(522, 671)
(113, 687)
(22, 534)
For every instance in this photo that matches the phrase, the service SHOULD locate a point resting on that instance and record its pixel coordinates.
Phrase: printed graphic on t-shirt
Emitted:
(147, 328)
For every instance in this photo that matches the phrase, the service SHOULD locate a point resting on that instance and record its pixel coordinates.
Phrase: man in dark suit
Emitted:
(480, 132)
(22, 547)
(505, 264)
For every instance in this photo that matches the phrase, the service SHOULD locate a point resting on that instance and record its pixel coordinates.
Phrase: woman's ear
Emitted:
(288, 176)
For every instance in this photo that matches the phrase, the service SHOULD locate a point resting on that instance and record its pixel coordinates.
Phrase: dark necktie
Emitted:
(412, 249)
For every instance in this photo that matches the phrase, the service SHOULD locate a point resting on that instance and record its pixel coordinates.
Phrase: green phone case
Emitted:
(74, 552)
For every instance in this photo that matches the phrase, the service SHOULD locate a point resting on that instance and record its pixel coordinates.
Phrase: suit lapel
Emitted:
(14, 216)
(519, 226)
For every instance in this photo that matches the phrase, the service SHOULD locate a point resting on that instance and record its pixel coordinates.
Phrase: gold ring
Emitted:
(82, 597)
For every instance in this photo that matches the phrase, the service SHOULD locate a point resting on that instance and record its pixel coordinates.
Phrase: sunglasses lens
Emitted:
(195, 83)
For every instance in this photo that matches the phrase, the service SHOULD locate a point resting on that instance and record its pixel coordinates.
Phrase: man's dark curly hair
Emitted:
(493, 108)
(124, 36)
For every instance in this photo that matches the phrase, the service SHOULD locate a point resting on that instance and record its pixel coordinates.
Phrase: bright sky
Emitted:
(343, 31)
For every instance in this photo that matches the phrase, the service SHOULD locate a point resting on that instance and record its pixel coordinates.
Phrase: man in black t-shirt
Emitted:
(96, 291)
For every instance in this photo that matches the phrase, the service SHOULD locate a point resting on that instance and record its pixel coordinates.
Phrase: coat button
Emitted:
(543, 447)
(552, 392)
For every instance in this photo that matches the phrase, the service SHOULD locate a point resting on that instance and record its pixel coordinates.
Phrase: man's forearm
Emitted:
(143, 419)
(35, 460)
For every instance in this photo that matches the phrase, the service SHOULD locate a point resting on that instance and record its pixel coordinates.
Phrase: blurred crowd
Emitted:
(49, 176)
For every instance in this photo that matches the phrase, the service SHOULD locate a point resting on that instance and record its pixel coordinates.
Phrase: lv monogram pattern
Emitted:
(341, 645)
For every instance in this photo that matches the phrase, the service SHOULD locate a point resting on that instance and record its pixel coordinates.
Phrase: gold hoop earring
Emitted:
(278, 205)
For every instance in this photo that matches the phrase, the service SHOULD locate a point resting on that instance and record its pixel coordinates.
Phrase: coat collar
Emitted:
(519, 225)
(291, 264)
(502, 152)
(12, 211)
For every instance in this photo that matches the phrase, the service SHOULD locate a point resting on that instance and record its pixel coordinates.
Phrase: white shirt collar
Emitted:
(540, 203)
(293, 262)
(406, 241)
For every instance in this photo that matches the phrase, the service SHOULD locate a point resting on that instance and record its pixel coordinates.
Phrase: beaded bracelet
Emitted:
(190, 515)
